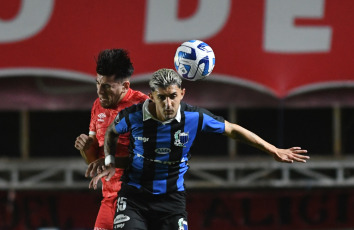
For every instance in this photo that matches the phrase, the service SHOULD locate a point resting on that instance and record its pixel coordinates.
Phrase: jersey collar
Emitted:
(147, 115)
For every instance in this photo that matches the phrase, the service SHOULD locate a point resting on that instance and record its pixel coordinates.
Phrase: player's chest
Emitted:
(105, 118)
(163, 136)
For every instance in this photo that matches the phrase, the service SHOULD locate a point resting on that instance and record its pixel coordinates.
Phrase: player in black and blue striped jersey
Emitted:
(162, 131)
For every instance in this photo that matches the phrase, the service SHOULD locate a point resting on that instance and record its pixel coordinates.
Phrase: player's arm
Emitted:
(88, 147)
(110, 145)
(239, 133)
(110, 148)
(111, 162)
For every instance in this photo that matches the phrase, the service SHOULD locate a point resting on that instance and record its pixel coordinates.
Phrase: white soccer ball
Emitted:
(194, 60)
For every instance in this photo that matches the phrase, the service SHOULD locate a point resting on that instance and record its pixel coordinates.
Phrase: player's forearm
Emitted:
(259, 143)
(89, 155)
(243, 135)
(110, 142)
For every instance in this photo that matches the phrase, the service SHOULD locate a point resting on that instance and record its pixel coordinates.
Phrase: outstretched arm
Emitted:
(290, 155)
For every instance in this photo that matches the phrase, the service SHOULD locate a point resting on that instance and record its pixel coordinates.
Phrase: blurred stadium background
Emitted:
(284, 69)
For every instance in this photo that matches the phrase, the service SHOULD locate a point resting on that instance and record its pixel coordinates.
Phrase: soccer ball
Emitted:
(194, 60)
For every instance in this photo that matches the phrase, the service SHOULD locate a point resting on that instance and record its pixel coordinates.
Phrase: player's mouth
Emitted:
(169, 112)
(103, 99)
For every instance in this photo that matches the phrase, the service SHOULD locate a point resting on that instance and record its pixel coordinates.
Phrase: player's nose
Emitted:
(168, 102)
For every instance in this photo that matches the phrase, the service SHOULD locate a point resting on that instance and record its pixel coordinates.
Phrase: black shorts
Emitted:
(138, 209)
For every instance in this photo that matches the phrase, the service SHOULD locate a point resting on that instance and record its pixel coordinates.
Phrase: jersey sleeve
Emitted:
(212, 123)
(142, 97)
(93, 121)
(120, 122)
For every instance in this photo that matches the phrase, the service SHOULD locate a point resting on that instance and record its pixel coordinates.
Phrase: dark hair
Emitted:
(114, 62)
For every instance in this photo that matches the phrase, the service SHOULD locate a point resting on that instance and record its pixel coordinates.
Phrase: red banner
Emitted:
(280, 47)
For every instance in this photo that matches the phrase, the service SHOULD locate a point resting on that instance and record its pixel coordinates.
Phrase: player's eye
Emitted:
(161, 97)
(106, 86)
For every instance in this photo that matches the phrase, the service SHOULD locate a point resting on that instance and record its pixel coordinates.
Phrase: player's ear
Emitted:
(151, 96)
(126, 85)
(183, 91)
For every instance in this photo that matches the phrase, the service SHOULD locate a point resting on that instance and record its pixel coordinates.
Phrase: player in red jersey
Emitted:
(114, 69)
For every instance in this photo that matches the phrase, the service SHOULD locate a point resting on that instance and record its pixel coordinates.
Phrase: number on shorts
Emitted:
(121, 203)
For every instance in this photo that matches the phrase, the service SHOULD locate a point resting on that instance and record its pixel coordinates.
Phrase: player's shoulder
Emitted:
(190, 108)
(96, 105)
(133, 112)
(133, 108)
(201, 111)
(96, 102)
(138, 96)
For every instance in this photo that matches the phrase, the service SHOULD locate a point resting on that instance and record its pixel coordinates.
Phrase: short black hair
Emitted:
(114, 62)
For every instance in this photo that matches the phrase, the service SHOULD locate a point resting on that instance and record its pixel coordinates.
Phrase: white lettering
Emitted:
(32, 17)
(281, 35)
(121, 204)
(162, 24)
(121, 218)
(163, 150)
(119, 226)
(143, 139)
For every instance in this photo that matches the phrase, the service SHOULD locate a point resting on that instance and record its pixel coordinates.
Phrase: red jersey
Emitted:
(101, 118)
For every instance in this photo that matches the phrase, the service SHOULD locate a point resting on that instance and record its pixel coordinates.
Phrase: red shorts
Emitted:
(104, 220)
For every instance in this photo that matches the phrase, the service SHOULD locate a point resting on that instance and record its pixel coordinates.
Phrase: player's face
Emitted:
(109, 91)
(167, 101)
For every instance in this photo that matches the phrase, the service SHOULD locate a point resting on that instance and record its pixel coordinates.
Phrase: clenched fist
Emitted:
(83, 142)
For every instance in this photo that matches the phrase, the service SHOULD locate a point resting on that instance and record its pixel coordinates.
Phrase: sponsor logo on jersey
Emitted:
(101, 116)
(181, 138)
(143, 139)
(119, 226)
(162, 151)
(182, 224)
(121, 218)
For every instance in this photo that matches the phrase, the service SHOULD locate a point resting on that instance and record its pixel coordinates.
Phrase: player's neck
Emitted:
(152, 109)
(122, 96)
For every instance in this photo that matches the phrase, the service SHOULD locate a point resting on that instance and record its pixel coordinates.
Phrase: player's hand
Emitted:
(108, 172)
(83, 142)
(290, 155)
(95, 167)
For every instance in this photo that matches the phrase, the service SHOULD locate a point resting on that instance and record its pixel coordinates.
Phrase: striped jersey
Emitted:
(101, 118)
(159, 151)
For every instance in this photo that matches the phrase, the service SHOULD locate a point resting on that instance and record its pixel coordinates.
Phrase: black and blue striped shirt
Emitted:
(159, 151)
